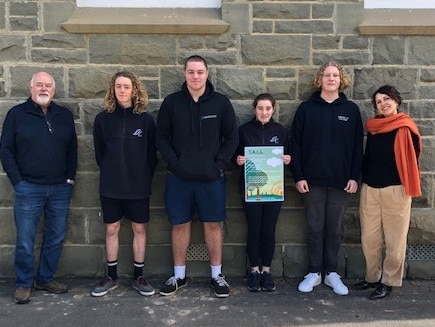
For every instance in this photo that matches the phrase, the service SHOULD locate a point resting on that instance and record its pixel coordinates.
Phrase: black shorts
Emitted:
(136, 210)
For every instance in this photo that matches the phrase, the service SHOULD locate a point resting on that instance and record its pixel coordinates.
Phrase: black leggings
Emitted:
(261, 219)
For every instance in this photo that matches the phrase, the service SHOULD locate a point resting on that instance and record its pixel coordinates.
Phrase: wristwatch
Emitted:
(70, 181)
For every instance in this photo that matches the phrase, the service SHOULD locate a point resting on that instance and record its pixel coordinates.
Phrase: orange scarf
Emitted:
(404, 151)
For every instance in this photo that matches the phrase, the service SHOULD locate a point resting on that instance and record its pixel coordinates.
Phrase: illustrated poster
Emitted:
(264, 174)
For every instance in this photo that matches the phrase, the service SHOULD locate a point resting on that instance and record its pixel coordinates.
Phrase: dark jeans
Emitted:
(31, 201)
(324, 210)
(261, 219)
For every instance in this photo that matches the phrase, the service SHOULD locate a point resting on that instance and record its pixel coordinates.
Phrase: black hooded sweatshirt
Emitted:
(327, 142)
(125, 152)
(196, 139)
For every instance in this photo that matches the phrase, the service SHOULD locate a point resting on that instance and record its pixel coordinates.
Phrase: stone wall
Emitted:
(271, 46)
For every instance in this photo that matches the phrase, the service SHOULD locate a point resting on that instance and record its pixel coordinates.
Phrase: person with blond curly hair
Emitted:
(124, 136)
(327, 150)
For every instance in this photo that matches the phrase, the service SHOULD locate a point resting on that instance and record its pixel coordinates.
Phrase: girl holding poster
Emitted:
(262, 212)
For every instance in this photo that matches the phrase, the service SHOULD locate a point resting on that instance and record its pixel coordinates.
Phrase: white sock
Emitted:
(215, 271)
(180, 272)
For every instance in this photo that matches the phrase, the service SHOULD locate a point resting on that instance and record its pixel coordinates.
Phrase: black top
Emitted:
(125, 151)
(254, 133)
(196, 139)
(38, 148)
(327, 142)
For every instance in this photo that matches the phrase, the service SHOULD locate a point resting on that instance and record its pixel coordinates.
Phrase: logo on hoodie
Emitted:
(138, 132)
(274, 139)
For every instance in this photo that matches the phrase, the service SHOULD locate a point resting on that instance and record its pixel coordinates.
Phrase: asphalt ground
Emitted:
(195, 305)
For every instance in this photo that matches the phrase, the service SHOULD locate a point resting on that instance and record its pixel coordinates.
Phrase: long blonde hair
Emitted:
(139, 95)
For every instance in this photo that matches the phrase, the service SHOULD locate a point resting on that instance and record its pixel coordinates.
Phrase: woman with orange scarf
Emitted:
(391, 178)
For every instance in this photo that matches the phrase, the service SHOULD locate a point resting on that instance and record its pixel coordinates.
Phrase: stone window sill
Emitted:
(146, 21)
(398, 22)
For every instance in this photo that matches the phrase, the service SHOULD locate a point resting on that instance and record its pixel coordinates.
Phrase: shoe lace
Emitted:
(220, 280)
(105, 281)
(171, 281)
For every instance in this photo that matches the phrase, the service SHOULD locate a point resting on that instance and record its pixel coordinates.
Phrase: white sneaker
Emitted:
(310, 280)
(333, 280)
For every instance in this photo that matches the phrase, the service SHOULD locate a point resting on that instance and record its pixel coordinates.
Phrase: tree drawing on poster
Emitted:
(255, 179)
(264, 174)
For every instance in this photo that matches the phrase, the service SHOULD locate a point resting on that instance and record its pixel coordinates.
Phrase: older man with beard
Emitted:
(38, 151)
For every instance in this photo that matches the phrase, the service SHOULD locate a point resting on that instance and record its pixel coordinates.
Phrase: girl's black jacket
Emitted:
(254, 133)
(125, 152)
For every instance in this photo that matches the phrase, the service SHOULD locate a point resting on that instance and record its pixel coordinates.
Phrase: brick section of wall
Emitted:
(271, 46)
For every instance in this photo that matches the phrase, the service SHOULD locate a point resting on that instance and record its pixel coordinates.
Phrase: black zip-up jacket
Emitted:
(38, 148)
(327, 142)
(125, 152)
(254, 133)
(196, 139)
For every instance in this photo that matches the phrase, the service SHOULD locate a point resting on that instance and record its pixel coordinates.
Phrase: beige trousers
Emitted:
(385, 214)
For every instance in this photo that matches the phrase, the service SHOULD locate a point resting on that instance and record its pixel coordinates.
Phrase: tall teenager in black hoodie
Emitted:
(196, 135)
(327, 150)
(124, 140)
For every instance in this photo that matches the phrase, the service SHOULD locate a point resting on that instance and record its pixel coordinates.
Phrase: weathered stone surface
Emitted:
(420, 269)
(344, 58)
(221, 42)
(281, 10)
(58, 56)
(55, 13)
(322, 11)
(262, 26)
(282, 89)
(23, 23)
(427, 75)
(239, 83)
(12, 48)
(171, 80)
(348, 17)
(304, 27)
(191, 42)
(389, 50)
(288, 50)
(132, 49)
(23, 8)
(2, 15)
(326, 42)
(89, 83)
(238, 16)
(7, 224)
(422, 227)
(7, 258)
(58, 40)
(280, 72)
(368, 80)
(355, 42)
(420, 51)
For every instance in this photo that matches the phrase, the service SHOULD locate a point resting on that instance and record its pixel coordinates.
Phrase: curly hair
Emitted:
(389, 90)
(139, 95)
(344, 77)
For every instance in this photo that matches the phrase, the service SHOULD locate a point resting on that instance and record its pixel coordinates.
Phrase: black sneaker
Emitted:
(254, 281)
(220, 286)
(266, 281)
(172, 285)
